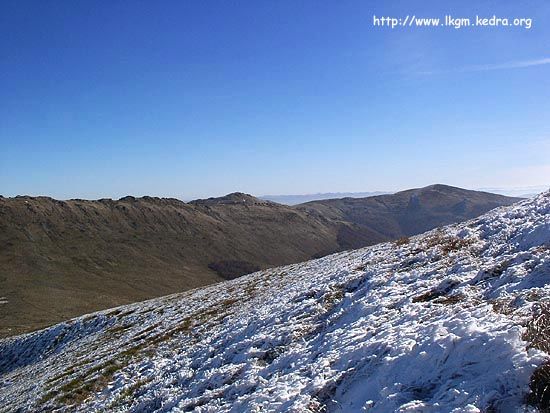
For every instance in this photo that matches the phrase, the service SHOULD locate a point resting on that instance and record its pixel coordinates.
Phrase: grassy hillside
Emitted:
(60, 259)
(409, 212)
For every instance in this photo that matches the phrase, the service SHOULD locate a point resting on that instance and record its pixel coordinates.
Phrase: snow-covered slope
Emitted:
(439, 322)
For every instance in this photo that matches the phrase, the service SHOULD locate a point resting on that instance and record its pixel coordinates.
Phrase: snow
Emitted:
(434, 325)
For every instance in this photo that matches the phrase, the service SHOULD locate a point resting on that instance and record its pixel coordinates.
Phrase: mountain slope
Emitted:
(409, 212)
(300, 199)
(60, 259)
(452, 320)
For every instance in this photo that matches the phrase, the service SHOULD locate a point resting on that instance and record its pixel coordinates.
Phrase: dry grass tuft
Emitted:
(401, 241)
(427, 296)
(538, 329)
(333, 297)
(538, 336)
(503, 306)
(451, 299)
(447, 243)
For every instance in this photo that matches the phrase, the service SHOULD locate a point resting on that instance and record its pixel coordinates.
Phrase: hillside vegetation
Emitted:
(60, 259)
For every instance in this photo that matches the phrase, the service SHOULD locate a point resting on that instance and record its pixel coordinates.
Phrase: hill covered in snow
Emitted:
(455, 319)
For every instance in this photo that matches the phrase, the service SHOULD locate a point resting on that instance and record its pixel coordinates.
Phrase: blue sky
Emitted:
(200, 98)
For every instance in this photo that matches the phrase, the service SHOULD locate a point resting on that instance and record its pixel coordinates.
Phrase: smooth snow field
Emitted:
(436, 323)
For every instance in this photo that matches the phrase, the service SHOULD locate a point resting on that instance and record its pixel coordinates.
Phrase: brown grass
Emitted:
(446, 243)
(401, 241)
(503, 306)
(451, 300)
(361, 267)
(538, 336)
(427, 296)
(93, 380)
(332, 297)
(437, 292)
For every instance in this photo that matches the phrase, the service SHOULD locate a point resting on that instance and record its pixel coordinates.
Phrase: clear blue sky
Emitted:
(200, 98)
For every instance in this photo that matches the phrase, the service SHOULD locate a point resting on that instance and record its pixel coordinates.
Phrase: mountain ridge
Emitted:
(59, 259)
(400, 214)
(303, 198)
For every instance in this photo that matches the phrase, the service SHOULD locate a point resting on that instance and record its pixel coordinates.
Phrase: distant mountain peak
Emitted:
(300, 199)
(232, 198)
(439, 187)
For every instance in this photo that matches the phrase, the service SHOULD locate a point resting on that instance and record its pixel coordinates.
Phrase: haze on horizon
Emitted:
(194, 100)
